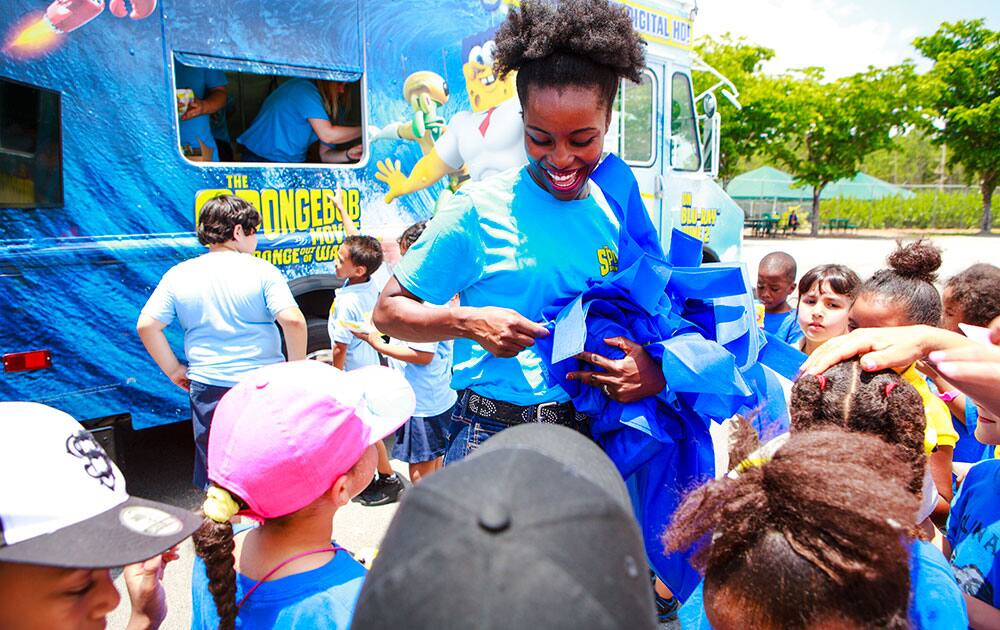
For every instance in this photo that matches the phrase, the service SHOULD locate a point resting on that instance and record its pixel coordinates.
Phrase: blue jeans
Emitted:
(469, 430)
(204, 399)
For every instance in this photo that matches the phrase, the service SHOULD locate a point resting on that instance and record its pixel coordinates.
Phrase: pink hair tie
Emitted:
(889, 387)
(822, 381)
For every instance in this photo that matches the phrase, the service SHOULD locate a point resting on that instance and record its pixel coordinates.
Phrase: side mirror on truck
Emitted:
(711, 123)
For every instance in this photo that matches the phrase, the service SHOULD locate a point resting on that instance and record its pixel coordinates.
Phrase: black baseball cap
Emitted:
(513, 538)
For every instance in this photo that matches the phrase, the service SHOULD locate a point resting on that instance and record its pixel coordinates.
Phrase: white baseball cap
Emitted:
(63, 501)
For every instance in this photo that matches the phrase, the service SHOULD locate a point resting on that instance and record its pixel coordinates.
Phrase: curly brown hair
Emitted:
(909, 281)
(880, 403)
(816, 534)
(220, 216)
(580, 43)
(976, 292)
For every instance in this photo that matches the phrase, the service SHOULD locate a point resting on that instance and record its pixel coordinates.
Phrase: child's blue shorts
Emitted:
(422, 438)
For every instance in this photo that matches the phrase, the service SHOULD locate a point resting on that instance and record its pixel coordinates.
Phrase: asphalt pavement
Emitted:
(160, 460)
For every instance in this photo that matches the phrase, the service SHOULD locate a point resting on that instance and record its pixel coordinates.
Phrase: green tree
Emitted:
(964, 93)
(823, 131)
(743, 129)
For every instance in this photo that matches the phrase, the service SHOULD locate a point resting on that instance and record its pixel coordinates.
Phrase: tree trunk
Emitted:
(814, 212)
(986, 186)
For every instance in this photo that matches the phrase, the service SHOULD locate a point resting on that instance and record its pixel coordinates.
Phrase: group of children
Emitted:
(422, 441)
(943, 438)
(837, 522)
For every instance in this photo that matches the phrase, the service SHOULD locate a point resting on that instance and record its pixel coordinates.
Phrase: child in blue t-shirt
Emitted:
(974, 532)
(775, 282)
(291, 444)
(422, 441)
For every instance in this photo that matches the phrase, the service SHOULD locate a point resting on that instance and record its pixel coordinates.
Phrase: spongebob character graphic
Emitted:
(487, 140)
(426, 92)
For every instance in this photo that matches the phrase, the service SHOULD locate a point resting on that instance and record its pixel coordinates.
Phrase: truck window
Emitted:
(685, 152)
(265, 118)
(30, 147)
(636, 106)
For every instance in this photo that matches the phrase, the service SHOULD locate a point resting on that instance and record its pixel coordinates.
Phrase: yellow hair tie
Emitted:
(219, 505)
(751, 462)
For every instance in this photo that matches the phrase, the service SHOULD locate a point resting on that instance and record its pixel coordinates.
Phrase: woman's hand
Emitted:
(501, 331)
(880, 348)
(632, 378)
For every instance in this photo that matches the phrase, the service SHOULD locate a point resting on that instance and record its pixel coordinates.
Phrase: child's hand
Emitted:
(144, 583)
(335, 198)
(179, 377)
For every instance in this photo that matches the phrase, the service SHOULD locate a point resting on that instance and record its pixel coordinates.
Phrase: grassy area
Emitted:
(929, 210)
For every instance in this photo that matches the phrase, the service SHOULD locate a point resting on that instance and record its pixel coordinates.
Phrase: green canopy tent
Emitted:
(866, 187)
(771, 184)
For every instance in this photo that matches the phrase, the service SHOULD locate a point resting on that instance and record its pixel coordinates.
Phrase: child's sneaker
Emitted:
(381, 491)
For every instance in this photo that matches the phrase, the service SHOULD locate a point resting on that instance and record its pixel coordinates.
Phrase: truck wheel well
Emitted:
(314, 295)
(708, 255)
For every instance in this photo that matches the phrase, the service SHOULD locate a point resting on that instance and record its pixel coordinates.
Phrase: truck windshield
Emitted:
(685, 153)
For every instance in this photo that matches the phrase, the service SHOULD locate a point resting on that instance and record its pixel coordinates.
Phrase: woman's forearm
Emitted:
(407, 319)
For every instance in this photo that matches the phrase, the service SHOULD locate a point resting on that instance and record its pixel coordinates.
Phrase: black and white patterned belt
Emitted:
(552, 412)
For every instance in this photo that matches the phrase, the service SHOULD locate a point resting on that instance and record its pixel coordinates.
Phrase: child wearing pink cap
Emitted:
(290, 445)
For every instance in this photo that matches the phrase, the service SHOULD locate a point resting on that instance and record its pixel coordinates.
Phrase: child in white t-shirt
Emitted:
(422, 441)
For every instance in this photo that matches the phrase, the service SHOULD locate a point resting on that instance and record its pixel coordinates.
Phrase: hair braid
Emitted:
(213, 542)
(856, 400)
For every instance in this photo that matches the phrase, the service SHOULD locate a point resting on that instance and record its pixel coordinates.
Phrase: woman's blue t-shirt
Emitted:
(935, 599)
(506, 242)
(281, 131)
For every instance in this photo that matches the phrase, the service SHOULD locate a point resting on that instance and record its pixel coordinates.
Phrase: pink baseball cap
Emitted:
(286, 432)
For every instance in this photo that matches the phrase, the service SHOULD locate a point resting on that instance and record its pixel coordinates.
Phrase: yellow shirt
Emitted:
(939, 431)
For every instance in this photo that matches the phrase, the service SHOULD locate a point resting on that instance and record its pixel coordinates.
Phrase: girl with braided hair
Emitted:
(904, 295)
(816, 534)
(524, 240)
(812, 537)
(291, 444)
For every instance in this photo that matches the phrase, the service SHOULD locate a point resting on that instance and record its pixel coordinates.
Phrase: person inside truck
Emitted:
(296, 115)
(515, 243)
(201, 92)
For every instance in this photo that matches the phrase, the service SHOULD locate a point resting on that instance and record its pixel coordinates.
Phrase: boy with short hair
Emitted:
(775, 282)
(227, 301)
(358, 258)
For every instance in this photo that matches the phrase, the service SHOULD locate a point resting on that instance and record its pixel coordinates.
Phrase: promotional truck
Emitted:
(99, 190)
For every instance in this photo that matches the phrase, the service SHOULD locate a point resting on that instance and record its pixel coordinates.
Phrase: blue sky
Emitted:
(844, 36)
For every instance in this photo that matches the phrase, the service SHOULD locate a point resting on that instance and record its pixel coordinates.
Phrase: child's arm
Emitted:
(293, 325)
(150, 331)
(339, 354)
(349, 228)
(402, 353)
